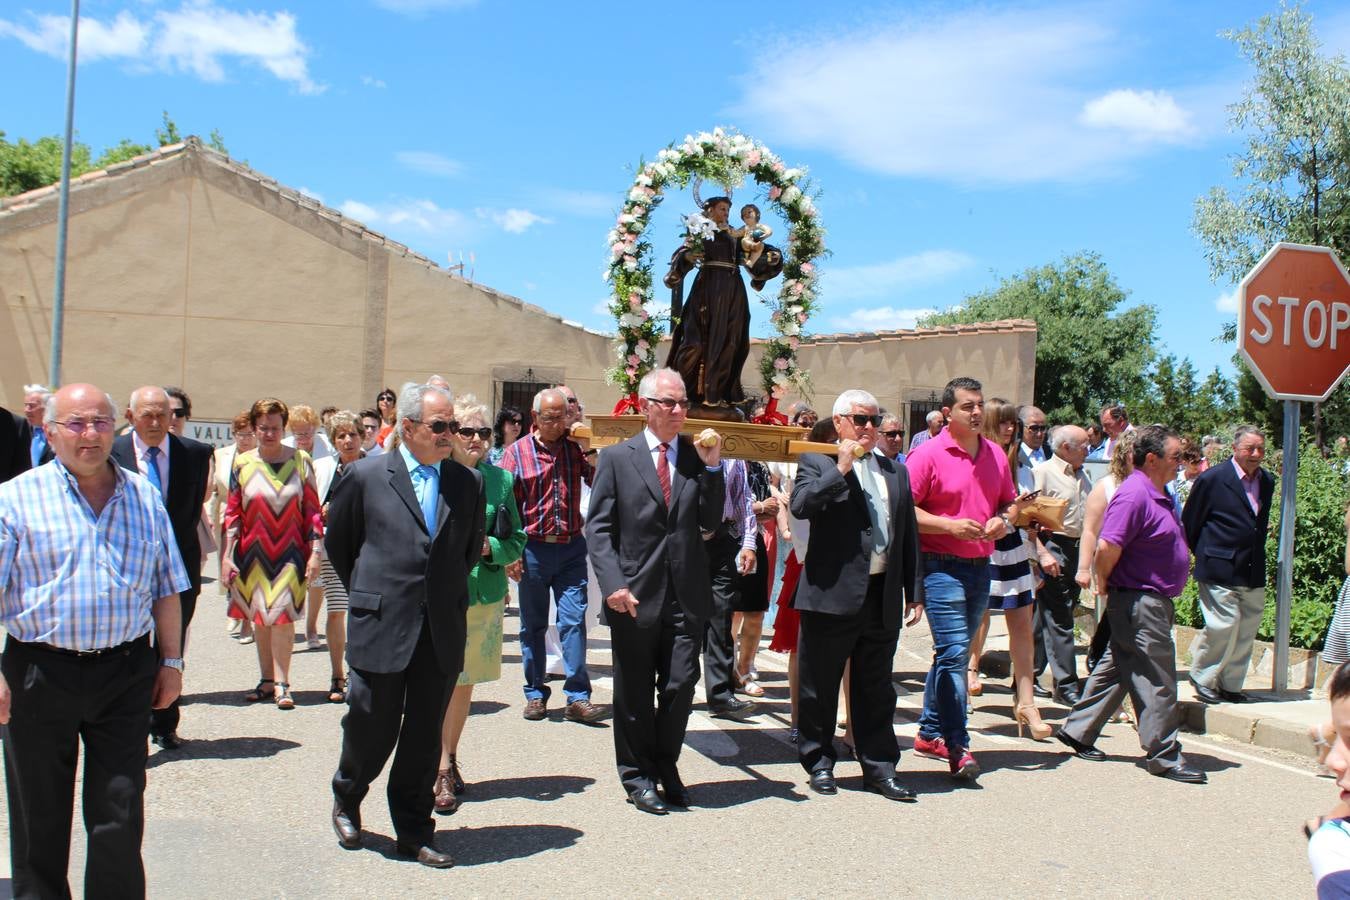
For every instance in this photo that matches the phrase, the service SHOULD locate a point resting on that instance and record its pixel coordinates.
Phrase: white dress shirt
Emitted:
(143, 459)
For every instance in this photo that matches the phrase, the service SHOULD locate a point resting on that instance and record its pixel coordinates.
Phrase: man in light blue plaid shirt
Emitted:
(88, 565)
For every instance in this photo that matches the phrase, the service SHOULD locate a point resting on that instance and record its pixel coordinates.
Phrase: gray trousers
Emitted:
(1222, 652)
(1141, 659)
(1053, 632)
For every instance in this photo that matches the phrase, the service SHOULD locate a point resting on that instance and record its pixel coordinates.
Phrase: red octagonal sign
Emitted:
(1294, 321)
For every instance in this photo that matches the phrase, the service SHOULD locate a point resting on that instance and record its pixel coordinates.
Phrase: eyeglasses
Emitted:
(441, 426)
(243, 434)
(483, 433)
(180, 413)
(1037, 427)
(862, 421)
(102, 425)
(548, 420)
(669, 404)
(893, 435)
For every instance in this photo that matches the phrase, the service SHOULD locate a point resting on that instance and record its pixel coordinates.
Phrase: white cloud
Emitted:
(579, 203)
(354, 209)
(880, 318)
(197, 37)
(371, 81)
(971, 96)
(512, 221)
(1228, 301)
(894, 276)
(429, 163)
(419, 7)
(418, 215)
(313, 195)
(1144, 115)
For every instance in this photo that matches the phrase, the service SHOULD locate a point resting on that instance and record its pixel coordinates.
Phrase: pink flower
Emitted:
(630, 238)
(632, 371)
(649, 192)
(778, 167)
(753, 157)
(635, 300)
(634, 359)
(801, 318)
(781, 363)
(775, 192)
(643, 346)
(794, 343)
(798, 288)
(807, 268)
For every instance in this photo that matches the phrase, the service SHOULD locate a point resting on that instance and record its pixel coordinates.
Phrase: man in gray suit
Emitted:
(404, 529)
(655, 500)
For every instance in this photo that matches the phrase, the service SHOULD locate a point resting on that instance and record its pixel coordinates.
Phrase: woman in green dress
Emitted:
(487, 590)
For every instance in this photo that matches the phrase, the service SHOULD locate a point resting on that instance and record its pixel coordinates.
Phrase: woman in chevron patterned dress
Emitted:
(273, 545)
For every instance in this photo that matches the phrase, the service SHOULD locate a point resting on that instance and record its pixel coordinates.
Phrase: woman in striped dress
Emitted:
(1012, 586)
(273, 544)
(344, 431)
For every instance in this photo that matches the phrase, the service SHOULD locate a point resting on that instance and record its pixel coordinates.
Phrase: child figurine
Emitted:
(752, 235)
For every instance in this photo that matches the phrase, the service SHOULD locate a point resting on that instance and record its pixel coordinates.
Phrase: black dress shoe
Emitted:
(649, 801)
(1043, 693)
(735, 708)
(347, 826)
(822, 782)
(1204, 694)
(1183, 773)
(1080, 749)
(1233, 696)
(1068, 695)
(170, 741)
(891, 789)
(426, 855)
(674, 792)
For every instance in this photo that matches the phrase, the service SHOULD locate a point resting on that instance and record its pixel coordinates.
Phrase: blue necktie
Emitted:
(38, 447)
(427, 496)
(152, 470)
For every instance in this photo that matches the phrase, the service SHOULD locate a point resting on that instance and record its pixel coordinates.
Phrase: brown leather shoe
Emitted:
(446, 801)
(425, 854)
(584, 711)
(347, 825)
(456, 780)
(535, 710)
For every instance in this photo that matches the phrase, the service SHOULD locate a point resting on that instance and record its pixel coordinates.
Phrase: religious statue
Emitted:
(711, 339)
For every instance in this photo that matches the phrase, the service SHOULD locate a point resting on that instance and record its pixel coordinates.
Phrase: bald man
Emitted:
(179, 468)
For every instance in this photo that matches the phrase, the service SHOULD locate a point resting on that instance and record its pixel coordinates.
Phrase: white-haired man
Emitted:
(549, 470)
(859, 585)
(34, 406)
(655, 497)
(933, 425)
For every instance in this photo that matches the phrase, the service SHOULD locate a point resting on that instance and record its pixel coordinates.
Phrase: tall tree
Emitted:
(1087, 352)
(1292, 179)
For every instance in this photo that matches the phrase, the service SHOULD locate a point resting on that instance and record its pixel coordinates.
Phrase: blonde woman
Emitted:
(1122, 464)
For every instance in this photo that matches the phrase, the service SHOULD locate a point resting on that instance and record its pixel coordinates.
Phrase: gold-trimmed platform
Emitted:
(740, 440)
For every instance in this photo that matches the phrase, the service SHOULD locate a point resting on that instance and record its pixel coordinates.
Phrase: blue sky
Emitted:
(955, 144)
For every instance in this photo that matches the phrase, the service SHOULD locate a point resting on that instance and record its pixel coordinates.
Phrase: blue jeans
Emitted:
(561, 569)
(956, 596)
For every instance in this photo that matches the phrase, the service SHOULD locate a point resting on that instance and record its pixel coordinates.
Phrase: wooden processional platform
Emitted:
(740, 440)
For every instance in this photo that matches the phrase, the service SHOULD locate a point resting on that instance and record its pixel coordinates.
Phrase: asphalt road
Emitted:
(242, 810)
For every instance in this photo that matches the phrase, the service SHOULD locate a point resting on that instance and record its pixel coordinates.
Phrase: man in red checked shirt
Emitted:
(549, 469)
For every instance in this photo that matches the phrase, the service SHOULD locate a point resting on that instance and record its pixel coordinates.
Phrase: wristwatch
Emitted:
(1007, 521)
(172, 662)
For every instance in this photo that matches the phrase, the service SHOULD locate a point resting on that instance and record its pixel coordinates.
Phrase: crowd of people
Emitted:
(411, 522)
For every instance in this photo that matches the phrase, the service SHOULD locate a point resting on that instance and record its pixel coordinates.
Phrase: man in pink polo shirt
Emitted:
(963, 493)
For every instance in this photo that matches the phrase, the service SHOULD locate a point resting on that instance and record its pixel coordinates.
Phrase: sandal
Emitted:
(258, 693)
(1321, 747)
(337, 690)
(974, 686)
(284, 698)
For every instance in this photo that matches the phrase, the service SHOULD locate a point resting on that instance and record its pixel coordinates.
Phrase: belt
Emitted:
(951, 557)
(555, 538)
(716, 264)
(134, 643)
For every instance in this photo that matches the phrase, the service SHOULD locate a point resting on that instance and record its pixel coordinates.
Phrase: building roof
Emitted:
(192, 149)
(1004, 326)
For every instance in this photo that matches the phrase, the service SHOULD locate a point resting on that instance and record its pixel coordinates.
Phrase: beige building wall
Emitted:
(187, 268)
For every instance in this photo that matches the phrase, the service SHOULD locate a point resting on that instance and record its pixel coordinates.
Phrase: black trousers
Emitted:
(719, 652)
(659, 663)
(59, 701)
(827, 642)
(404, 708)
(165, 721)
(1053, 633)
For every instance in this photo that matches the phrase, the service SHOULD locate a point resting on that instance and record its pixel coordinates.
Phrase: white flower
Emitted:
(630, 263)
(630, 320)
(793, 174)
(791, 195)
(643, 179)
(636, 195)
(781, 378)
(700, 225)
(789, 327)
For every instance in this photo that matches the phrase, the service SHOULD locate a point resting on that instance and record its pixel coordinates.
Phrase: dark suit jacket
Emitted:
(1227, 538)
(396, 574)
(635, 542)
(16, 439)
(189, 466)
(839, 551)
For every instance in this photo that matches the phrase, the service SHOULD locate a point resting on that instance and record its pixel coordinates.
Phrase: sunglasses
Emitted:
(668, 404)
(483, 433)
(102, 425)
(893, 435)
(1036, 427)
(180, 413)
(385, 398)
(861, 421)
(442, 426)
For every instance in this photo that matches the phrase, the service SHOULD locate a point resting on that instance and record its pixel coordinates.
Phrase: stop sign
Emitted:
(1294, 321)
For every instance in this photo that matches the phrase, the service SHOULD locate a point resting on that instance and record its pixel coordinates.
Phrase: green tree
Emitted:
(1174, 394)
(1292, 179)
(1087, 351)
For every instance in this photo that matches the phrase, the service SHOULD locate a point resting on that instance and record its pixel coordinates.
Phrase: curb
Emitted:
(1260, 731)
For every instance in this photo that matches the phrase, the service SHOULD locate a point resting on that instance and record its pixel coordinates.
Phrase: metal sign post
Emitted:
(1285, 578)
(63, 211)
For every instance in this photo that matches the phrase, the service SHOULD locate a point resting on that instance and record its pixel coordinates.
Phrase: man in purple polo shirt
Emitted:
(963, 492)
(1143, 559)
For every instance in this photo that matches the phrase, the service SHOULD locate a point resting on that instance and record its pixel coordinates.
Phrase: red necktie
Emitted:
(663, 471)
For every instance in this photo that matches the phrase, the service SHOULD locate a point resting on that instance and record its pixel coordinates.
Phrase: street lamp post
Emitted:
(63, 210)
